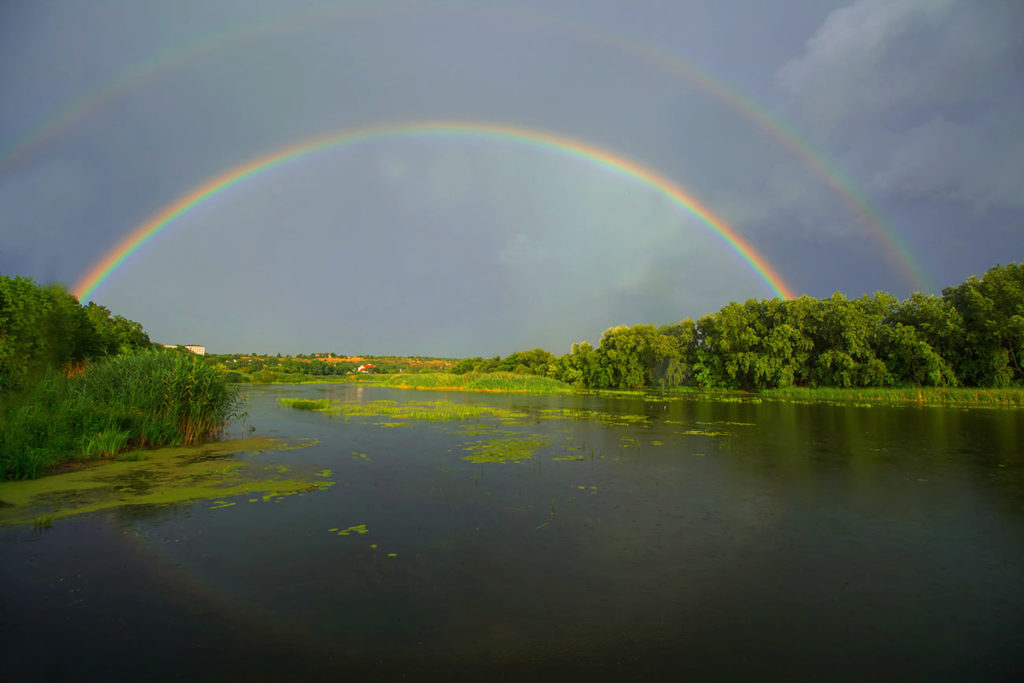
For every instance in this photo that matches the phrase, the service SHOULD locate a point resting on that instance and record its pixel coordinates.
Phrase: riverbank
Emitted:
(506, 382)
(1010, 397)
(114, 405)
(216, 471)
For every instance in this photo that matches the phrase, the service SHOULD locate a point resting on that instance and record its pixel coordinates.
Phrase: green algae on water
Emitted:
(357, 529)
(428, 411)
(169, 475)
(503, 450)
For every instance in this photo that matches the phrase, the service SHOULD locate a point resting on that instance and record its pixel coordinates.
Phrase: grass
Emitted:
(924, 396)
(307, 403)
(496, 382)
(429, 411)
(104, 444)
(134, 400)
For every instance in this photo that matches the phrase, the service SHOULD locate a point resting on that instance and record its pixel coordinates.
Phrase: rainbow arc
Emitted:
(104, 268)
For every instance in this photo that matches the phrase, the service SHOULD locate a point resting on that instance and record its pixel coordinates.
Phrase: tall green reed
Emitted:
(141, 398)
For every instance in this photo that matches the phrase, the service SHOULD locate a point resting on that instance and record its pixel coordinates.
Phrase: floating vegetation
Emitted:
(169, 475)
(698, 432)
(725, 422)
(657, 443)
(392, 424)
(430, 411)
(480, 429)
(357, 529)
(490, 382)
(363, 456)
(503, 450)
(307, 403)
(614, 419)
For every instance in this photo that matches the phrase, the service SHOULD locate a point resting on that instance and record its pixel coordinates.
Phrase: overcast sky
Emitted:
(445, 245)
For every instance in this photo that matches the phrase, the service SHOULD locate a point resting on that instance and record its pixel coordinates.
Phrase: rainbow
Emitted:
(894, 246)
(596, 155)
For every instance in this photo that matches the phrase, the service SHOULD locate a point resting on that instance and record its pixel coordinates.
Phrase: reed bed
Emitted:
(496, 382)
(925, 396)
(436, 411)
(138, 399)
(307, 403)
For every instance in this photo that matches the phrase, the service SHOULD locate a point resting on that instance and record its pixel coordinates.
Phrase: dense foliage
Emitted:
(76, 383)
(973, 335)
(45, 327)
(318, 367)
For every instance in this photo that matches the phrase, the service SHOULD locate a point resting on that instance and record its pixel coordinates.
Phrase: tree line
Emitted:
(972, 335)
(45, 327)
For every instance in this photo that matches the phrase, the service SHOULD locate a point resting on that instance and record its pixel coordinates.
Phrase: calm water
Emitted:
(802, 542)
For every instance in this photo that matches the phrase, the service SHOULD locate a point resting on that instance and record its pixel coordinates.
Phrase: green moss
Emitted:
(169, 475)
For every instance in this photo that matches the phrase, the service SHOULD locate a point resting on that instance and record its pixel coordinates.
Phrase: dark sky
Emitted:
(827, 134)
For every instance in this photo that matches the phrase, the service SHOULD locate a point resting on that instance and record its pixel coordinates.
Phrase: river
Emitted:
(634, 538)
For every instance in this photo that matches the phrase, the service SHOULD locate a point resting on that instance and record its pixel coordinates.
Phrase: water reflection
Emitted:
(652, 538)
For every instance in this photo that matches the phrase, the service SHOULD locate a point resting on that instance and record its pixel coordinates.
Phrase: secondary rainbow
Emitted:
(894, 246)
(98, 273)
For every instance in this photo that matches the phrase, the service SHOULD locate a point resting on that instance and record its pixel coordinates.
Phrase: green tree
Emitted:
(992, 310)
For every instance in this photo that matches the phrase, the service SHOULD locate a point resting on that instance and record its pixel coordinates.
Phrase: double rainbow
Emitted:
(593, 154)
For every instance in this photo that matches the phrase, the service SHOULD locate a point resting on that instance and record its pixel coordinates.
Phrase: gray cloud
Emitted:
(448, 244)
(926, 96)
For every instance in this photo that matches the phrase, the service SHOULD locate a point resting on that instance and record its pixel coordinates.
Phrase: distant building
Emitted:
(194, 348)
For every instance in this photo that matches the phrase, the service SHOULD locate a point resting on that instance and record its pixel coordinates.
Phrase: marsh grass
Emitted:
(428, 411)
(104, 444)
(924, 396)
(138, 399)
(492, 382)
(307, 403)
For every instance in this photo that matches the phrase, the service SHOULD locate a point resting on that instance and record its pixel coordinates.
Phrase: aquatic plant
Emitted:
(924, 396)
(137, 399)
(104, 444)
(429, 411)
(307, 403)
(504, 450)
(497, 382)
(170, 475)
